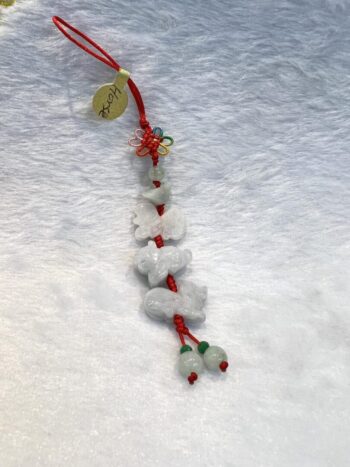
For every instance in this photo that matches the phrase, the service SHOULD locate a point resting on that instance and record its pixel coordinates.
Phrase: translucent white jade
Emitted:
(163, 304)
(157, 263)
(213, 356)
(156, 173)
(190, 362)
(159, 195)
(171, 225)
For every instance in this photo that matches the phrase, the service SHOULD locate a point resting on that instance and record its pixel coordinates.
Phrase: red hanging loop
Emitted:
(107, 59)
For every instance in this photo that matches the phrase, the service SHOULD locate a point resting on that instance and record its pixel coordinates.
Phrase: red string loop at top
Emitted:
(61, 24)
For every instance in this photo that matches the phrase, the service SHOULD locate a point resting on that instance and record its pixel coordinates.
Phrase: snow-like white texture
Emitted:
(157, 263)
(256, 96)
(188, 301)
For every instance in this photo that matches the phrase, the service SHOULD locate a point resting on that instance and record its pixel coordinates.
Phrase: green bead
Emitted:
(185, 348)
(202, 346)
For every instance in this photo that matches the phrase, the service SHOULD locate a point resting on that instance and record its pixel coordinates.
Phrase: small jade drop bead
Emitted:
(190, 362)
(156, 173)
(213, 356)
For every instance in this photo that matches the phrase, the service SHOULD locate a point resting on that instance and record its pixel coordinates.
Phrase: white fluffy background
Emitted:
(256, 95)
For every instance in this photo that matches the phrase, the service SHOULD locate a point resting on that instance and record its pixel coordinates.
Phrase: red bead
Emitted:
(171, 283)
(159, 241)
(160, 209)
(192, 377)
(223, 366)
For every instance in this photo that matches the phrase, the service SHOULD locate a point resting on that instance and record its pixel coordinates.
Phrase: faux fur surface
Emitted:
(256, 95)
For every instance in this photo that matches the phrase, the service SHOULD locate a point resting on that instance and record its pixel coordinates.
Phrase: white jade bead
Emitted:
(156, 173)
(190, 362)
(213, 356)
(159, 195)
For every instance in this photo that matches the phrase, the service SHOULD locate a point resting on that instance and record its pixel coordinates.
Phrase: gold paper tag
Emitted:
(7, 2)
(111, 99)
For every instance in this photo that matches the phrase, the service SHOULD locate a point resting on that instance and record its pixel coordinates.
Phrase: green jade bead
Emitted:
(185, 348)
(202, 346)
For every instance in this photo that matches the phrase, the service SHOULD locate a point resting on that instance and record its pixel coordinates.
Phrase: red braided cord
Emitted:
(178, 320)
(192, 337)
(105, 58)
(180, 327)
